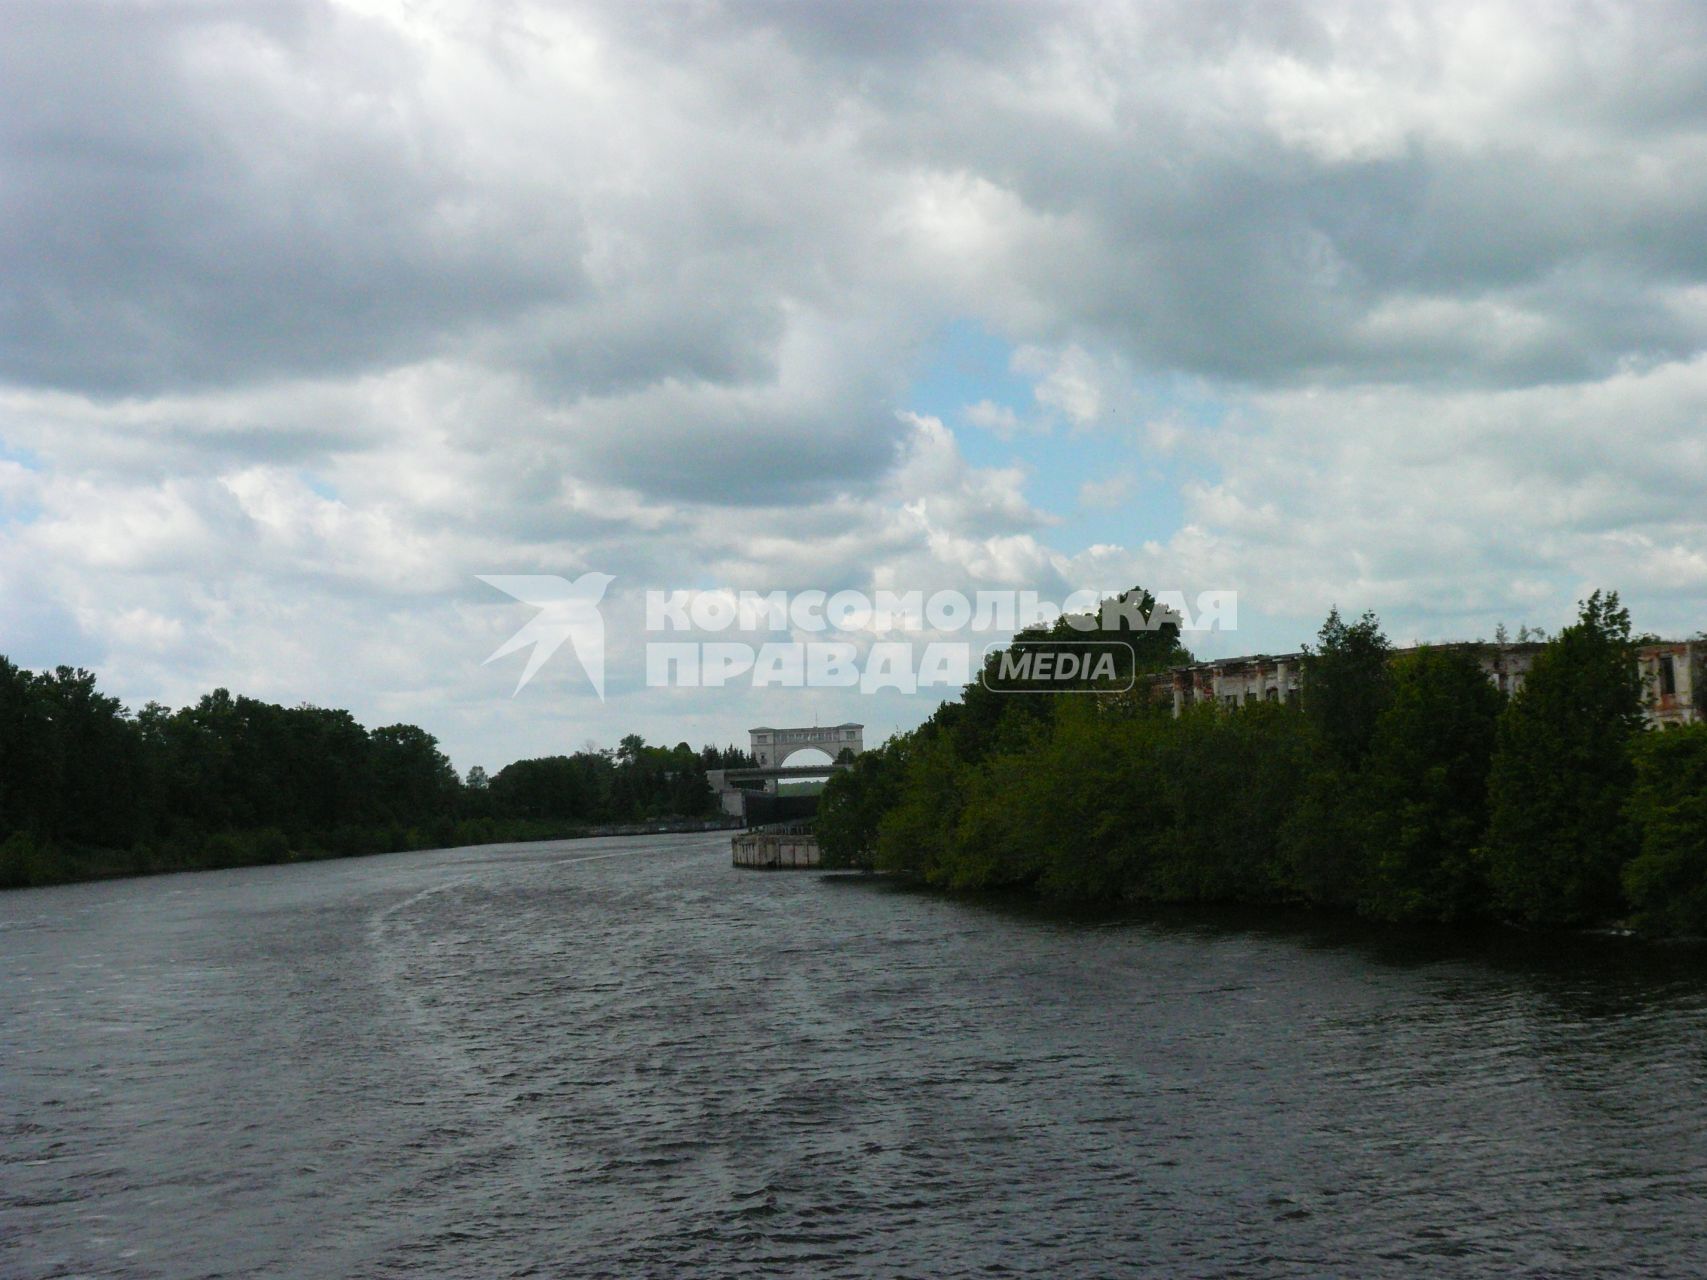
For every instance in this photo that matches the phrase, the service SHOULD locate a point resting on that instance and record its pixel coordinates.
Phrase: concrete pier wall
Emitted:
(776, 850)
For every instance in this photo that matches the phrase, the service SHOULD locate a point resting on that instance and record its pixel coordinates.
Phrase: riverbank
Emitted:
(25, 863)
(1401, 789)
(1483, 935)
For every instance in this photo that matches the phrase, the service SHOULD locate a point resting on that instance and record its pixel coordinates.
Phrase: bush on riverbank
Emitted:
(25, 863)
(1402, 790)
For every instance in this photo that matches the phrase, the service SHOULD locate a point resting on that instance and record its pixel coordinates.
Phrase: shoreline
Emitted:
(41, 868)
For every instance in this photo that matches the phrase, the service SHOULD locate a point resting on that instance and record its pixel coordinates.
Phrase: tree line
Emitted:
(1401, 788)
(87, 788)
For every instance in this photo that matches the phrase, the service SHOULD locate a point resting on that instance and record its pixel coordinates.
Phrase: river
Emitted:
(624, 1058)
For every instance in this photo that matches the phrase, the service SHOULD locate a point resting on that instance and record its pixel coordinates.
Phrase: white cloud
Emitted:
(1068, 382)
(998, 419)
(1110, 491)
(312, 312)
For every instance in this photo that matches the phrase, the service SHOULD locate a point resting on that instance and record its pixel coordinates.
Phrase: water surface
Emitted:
(623, 1057)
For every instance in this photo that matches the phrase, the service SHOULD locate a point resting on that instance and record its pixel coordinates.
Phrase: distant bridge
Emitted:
(722, 779)
(772, 748)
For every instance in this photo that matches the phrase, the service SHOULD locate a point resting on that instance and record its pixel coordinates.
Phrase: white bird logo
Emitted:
(567, 611)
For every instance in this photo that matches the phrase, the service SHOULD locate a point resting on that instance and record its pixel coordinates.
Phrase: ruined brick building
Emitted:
(1674, 677)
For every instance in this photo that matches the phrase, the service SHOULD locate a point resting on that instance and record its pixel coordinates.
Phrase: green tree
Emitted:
(562, 788)
(1347, 682)
(415, 780)
(1347, 685)
(1558, 833)
(917, 834)
(87, 789)
(88, 759)
(23, 765)
(853, 803)
(1052, 813)
(986, 721)
(1424, 789)
(1232, 783)
(1095, 801)
(1667, 880)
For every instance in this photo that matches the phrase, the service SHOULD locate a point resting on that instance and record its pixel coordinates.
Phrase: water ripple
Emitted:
(624, 1058)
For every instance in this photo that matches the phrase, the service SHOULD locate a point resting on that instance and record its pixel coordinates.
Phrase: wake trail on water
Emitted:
(480, 1124)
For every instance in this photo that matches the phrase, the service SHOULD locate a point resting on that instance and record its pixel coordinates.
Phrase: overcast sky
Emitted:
(312, 312)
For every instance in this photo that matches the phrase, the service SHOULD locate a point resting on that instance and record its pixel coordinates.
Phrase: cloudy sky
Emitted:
(311, 312)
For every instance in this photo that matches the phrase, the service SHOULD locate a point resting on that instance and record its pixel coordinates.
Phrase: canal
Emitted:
(623, 1057)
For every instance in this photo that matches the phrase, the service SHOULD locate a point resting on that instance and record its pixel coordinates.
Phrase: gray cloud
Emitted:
(308, 315)
(209, 196)
(203, 196)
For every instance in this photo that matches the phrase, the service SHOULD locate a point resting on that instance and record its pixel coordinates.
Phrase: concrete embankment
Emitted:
(776, 850)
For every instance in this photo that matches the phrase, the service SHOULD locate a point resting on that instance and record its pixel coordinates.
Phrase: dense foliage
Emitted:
(1562, 775)
(899, 806)
(1404, 788)
(1666, 881)
(1422, 803)
(86, 788)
